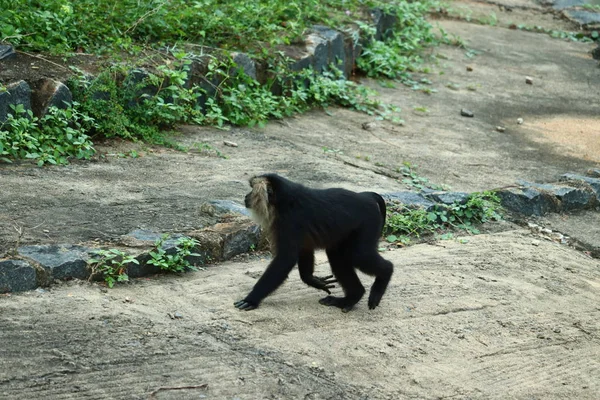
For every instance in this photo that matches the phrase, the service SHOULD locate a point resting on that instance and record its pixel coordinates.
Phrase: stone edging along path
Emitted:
(34, 266)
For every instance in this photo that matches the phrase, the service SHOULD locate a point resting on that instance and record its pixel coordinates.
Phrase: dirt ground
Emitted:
(499, 315)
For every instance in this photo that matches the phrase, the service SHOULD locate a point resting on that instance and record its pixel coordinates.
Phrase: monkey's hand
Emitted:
(324, 283)
(245, 305)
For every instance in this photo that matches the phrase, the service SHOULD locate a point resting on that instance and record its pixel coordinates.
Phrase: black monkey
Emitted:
(299, 220)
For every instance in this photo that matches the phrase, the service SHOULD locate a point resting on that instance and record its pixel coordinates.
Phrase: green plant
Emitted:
(175, 259)
(412, 179)
(112, 264)
(402, 223)
(52, 139)
(398, 55)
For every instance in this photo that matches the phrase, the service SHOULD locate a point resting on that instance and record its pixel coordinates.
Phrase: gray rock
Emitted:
(138, 83)
(336, 51)
(466, 113)
(593, 172)
(7, 52)
(48, 93)
(562, 4)
(151, 237)
(410, 199)
(318, 47)
(527, 201)
(594, 183)
(352, 50)
(59, 261)
(448, 198)
(571, 198)
(241, 241)
(244, 62)
(228, 206)
(384, 23)
(16, 93)
(16, 276)
(584, 18)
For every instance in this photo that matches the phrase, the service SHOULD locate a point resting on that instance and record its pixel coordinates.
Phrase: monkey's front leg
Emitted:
(275, 274)
(306, 267)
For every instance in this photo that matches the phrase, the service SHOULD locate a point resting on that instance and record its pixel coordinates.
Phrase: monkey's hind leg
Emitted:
(341, 266)
(382, 269)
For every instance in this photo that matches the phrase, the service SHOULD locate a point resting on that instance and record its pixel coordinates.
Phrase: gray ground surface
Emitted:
(508, 315)
(504, 315)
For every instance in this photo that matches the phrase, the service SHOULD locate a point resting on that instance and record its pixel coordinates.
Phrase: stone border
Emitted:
(41, 265)
(322, 47)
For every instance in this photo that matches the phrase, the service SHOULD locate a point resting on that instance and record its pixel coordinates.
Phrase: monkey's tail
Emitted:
(382, 208)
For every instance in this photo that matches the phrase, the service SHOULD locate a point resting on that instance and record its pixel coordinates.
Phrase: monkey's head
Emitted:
(260, 201)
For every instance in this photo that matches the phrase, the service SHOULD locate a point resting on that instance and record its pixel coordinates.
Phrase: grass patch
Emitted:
(403, 223)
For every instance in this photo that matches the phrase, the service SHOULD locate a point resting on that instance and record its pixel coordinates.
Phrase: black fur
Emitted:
(346, 224)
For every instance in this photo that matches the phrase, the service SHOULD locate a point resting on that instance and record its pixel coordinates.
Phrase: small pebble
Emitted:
(230, 144)
(500, 128)
(546, 231)
(529, 80)
(466, 113)
(469, 68)
(519, 121)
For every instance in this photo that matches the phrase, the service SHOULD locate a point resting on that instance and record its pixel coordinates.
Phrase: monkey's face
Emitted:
(248, 200)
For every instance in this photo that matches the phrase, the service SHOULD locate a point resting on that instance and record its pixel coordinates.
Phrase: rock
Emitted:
(59, 261)
(384, 23)
(16, 93)
(352, 50)
(448, 198)
(228, 206)
(238, 238)
(368, 125)
(593, 172)
(7, 52)
(336, 52)
(529, 80)
(520, 121)
(137, 83)
(527, 201)
(144, 237)
(17, 276)
(500, 128)
(594, 183)
(571, 198)
(318, 47)
(469, 68)
(48, 93)
(230, 144)
(586, 19)
(466, 113)
(245, 63)
(410, 199)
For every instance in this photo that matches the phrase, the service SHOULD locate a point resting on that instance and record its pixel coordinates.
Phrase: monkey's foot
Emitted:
(339, 302)
(245, 305)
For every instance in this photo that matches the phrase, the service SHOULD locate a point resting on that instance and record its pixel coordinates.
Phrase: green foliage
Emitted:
(134, 108)
(53, 139)
(173, 260)
(414, 180)
(112, 264)
(102, 25)
(398, 54)
(403, 223)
